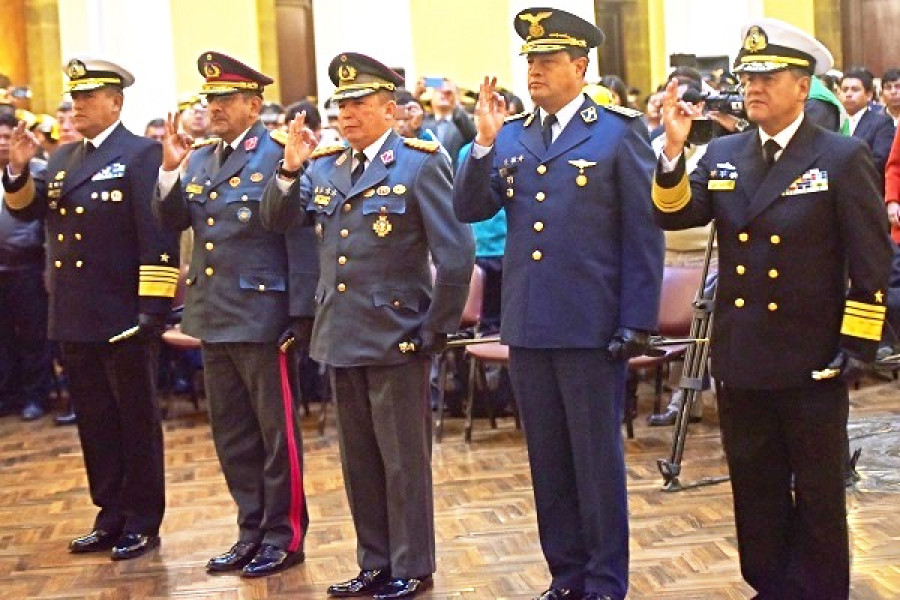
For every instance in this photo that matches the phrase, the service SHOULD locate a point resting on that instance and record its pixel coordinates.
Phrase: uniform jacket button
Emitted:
(739, 302)
(537, 255)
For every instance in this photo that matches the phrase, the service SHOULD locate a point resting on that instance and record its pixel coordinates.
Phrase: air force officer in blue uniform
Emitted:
(581, 282)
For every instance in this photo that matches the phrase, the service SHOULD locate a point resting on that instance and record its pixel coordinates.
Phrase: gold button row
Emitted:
(773, 273)
(58, 264)
(739, 302)
(745, 237)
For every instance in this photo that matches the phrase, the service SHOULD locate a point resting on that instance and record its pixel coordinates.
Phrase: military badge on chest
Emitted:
(508, 171)
(723, 178)
(54, 189)
(323, 195)
(581, 179)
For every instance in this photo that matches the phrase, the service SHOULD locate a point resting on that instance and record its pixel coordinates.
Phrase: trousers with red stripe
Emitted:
(256, 430)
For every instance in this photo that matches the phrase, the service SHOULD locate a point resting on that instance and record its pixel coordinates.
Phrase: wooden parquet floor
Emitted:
(682, 544)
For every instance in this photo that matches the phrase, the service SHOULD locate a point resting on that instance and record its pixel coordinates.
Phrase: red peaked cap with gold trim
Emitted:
(226, 75)
(357, 75)
(551, 30)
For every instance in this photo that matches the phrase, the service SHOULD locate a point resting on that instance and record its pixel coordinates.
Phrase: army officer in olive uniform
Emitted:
(112, 275)
(237, 303)
(804, 259)
(380, 208)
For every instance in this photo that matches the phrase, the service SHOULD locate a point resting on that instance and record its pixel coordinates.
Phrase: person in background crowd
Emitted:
(24, 350)
(874, 128)
(155, 129)
(449, 120)
(272, 115)
(194, 117)
(573, 178)
(618, 88)
(313, 118)
(804, 260)
(890, 93)
(112, 276)
(46, 130)
(65, 117)
(892, 188)
(652, 116)
(244, 286)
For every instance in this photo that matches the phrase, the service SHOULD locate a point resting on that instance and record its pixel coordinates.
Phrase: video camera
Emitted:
(729, 102)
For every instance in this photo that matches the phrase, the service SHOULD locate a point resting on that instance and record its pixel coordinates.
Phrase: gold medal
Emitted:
(116, 196)
(234, 181)
(256, 177)
(581, 180)
(399, 189)
(383, 190)
(369, 193)
(382, 226)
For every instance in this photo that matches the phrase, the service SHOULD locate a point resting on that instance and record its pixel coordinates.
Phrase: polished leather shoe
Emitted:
(403, 588)
(132, 545)
(366, 583)
(95, 541)
(668, 418)
(561, 594)
(236, 558)
(66, 418)
(33, 412)
(271, 559)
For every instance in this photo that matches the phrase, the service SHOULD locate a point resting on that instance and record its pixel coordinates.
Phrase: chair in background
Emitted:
(177, 343)
(482, 356)
(676, 311)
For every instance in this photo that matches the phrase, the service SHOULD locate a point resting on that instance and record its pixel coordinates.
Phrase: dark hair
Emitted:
(514, 103)
(615, 84)
(685, 74)
(155, 123)
(64, 106)
(8, 119)
(403, 96)
(313, 118)
(890, 75)
(864, 75)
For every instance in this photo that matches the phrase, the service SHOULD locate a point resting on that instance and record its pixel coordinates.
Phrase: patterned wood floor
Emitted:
(683, 545)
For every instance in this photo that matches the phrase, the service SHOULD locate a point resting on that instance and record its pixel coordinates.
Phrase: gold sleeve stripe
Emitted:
(156, 288)
(862, 328)
(864, 314)
(878, 309)
(21, 198)
(159, 279)
(159, 270)
(673, 199)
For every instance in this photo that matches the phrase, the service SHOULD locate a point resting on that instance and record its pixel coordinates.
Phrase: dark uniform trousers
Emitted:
(384, 424)
(255, 439)
(767, 436)
(24, 350)
(113, 389)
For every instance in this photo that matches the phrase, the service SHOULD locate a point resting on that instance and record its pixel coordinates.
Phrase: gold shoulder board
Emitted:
(423, 145)
(279, 136)
(516, 117)
(321, 151)
(623, 110)
(206, 142)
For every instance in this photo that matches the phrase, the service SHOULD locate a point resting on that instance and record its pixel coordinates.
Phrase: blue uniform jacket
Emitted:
(583, 255)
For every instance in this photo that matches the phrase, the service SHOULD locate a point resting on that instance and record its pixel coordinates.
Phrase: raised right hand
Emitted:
(300, 143)
(490, 112)
(176, 145)
(676, 118)
(23, 146)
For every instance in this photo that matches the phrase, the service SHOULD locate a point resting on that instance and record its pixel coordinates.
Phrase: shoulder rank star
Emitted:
(581, 164)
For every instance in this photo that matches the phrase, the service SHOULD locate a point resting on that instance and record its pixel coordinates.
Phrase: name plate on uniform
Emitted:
(194, 188)
(721, 184)
(322, 200)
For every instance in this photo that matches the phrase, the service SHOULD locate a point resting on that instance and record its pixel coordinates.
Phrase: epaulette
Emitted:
(321, 151)
(206, 142)
(423, 145)
(623, 110)
(521, 115)
(280, 136)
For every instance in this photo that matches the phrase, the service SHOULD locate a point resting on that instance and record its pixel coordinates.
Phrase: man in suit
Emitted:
(381, 208)
(237, 304)
(581, 281)
(797, 211)
(449, 120)
(876, 129)
(112, 276)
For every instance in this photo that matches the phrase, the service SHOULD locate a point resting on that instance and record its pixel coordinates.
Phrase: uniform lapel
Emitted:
(576, 131)
(340, 172)
(795, 159)
(376, 172)
(530, 137)
(96, 160)
(241, 154)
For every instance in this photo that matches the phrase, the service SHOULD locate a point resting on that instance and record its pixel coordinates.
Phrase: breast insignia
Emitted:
(423, 145)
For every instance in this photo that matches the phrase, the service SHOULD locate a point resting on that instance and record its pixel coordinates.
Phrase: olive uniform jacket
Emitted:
(108, 261)
(804, 252)
(375, 239)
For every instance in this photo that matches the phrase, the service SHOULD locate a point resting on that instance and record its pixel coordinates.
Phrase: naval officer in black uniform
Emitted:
(112, 275)
(581, 282)
(243, 284)
(804, 259)
(381, 208)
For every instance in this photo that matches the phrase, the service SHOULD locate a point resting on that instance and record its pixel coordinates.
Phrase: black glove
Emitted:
(626, 343)
(843, 365)
(150, 326)
(299, 332)
(431, 342)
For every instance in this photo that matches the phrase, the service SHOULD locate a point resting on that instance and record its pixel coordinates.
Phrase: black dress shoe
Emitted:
(668, 418)
(403, 588)
(66, 418)
(132, 545)
(366, 583)
(561, 594)
(33, 412)
(271, 559)
(236, 558)
(96, 541)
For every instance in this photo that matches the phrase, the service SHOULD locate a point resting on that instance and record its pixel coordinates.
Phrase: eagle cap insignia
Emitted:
(535, 29)
(75, 69)
(756, 39)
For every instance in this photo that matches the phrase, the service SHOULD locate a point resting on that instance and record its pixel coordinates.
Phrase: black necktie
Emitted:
(88, 148)
(546, 132)
(360, 167)
(769, 149)
(226, 152)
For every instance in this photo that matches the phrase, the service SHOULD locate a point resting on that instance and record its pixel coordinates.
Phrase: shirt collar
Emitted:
(784, 136)
(371, 151)
(101, 137)
(237, 141)
(565, 114)
(855, 119)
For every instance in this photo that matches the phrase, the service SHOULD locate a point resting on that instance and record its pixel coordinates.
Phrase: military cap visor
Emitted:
(357, 75)
(771, 45)
(87, 74)
(548, 30)
(226, 75)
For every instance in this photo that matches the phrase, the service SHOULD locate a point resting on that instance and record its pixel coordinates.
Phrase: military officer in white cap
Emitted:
(804, 259)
